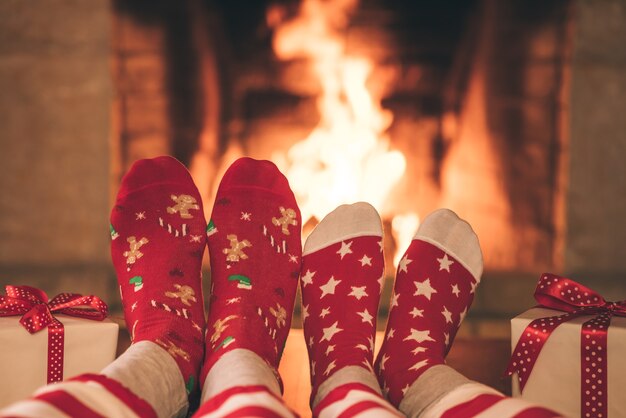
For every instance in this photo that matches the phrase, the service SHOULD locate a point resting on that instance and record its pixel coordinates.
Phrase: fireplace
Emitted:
(506, 112)
(410, 105)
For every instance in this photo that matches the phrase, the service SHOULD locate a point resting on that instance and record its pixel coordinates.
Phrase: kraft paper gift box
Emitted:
(89, 347)
(555, 380)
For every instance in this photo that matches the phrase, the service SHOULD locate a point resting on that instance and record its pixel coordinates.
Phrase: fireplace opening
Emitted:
(409, 105)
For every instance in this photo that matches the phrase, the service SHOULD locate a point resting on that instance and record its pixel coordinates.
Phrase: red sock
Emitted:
(341, 280)
(434, 288)
(255, 249)
(158, 232)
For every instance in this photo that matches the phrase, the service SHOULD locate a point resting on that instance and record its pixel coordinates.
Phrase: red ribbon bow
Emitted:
(576, 300)
(37, 314)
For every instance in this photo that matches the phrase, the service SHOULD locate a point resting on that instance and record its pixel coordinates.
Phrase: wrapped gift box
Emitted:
(555, 381)
(89, 347)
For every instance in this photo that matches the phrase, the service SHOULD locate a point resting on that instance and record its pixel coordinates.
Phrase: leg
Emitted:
(341, 281)
(434, 288)
(158, 239)
(255, 249)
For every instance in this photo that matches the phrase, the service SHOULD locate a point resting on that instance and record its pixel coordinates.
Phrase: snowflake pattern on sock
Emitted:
(255, 251)
(157, 230)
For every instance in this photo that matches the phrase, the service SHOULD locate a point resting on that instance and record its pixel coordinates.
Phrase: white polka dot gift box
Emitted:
(568, 352)
(45, 341)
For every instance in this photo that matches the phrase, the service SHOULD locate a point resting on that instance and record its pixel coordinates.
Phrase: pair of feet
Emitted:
(159, 235)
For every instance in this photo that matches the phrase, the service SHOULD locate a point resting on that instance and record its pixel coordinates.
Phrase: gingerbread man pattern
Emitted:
(287, 218)
(183, 204)
(235, 252)
(133, 254)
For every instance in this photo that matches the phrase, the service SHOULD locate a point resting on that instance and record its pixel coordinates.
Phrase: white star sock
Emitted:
(341, 279)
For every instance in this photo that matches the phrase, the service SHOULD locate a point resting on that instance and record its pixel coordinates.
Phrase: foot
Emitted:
(158, 238)
(434, 288)
(255, 250)
(341, 280)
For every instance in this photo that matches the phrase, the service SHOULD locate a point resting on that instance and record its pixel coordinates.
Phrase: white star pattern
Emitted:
(391, 333)
(362, 347)
(445, 263)
(293, 258)
(381, 282)
(330, 332)
(419, 365)
(383, 360)
(371, 341)
(405, 389)
(365, 316)
(358, 292)
(394, 300)
(455, 290)
(246, 216)
(305, 312)
(195, 238)
(417, 312)
(140, 216)
(418, 350)
(307, 279)
(365, 261)
(424, 288)
(474, 285)
(446, 336)
(418, 336)
(330, 367)
(324, 312)
(463, 315)
(311, 342)
(345, 249)
(313, 368)
(447, 314)
(330, 349)
(380, 244)
(329, 287)
(404, 263)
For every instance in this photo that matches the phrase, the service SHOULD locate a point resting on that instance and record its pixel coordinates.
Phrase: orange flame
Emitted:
(347, 157)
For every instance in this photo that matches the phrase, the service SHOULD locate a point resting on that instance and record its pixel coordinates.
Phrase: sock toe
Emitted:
(446, 230)
(256, 174)
(154, 171)
(345, 222)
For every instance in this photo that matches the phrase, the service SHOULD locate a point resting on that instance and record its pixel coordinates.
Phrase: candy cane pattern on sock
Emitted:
(88, 396)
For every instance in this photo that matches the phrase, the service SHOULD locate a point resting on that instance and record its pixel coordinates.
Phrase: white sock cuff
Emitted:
(345, 222)
(444, 229)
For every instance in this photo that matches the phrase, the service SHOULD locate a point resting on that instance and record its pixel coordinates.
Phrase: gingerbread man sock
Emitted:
(341, 279)
(158, 238)
(255, 251)
(434, 288)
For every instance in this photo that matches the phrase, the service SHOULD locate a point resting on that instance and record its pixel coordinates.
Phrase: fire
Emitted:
(347, 157)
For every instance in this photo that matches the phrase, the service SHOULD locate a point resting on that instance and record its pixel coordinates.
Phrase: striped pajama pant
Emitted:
(91, 396)
(146, 382)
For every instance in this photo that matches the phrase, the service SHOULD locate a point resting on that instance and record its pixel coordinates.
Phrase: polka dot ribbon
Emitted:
(37, 314)
(575, 300)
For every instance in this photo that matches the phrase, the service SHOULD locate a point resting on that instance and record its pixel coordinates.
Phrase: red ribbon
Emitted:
(37, 314)
(576, 300)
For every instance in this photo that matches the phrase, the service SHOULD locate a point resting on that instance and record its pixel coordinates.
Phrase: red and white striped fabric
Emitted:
(245, 401)
(354, 400)
(474, 400)
(86, 396)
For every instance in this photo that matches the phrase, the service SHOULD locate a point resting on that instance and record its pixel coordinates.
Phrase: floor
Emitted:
(483, 360)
